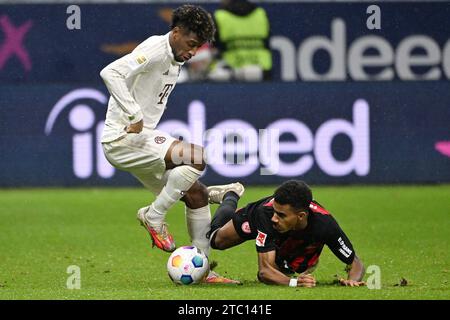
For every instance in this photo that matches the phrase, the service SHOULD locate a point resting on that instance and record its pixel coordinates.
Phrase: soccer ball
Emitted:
(187, 265)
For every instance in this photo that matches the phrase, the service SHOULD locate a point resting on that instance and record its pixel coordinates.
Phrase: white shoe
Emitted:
(216, 193)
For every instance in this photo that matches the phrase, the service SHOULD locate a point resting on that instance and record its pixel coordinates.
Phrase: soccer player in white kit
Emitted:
(140, 84)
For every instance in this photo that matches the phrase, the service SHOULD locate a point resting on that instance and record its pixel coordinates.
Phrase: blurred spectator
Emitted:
(242, 42)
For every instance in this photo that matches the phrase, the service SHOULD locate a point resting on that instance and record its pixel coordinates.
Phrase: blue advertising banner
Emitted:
(310, 41)
(376, 132)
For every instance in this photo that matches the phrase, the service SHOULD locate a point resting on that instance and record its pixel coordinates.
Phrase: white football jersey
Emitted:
(140, 84)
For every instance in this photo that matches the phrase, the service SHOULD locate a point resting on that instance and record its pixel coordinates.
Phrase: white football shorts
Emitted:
(142, 155)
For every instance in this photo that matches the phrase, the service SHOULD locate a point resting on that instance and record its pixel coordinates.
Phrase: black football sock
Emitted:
(225, 212)
(230, 198)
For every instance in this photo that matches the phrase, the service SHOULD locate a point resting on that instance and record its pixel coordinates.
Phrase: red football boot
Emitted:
(161, 236)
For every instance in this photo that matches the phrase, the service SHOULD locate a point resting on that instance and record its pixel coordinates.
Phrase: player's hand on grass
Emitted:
(135, 127)
(306, 280)
(351, 283)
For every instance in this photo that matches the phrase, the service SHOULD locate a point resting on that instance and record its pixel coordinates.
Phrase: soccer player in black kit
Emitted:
(290, 230)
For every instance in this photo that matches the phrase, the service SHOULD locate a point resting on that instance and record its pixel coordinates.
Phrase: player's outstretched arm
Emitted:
(355, 274)
(114, 76)
(340, 245)
(269, 273)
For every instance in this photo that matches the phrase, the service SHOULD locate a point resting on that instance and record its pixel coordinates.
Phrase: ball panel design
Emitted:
(197, 261)
(187, 265)
(186, 279)
(177, 261)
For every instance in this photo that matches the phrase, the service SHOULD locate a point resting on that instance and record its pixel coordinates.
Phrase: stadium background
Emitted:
(401, 135)
(341, 124)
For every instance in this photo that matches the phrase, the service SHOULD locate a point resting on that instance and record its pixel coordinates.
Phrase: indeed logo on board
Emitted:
(234, 147)
(87, 153)
(353, 58)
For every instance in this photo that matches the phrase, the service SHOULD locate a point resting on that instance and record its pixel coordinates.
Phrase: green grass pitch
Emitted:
(405, 230)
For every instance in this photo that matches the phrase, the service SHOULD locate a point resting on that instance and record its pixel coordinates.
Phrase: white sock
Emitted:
(199, 222)
(179, 180)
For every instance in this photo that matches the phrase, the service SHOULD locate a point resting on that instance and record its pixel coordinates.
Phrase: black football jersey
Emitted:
(296, 251)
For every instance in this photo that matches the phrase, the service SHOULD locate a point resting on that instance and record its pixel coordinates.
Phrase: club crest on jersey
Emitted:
(160, 139)
(261, 239)
(246, 227)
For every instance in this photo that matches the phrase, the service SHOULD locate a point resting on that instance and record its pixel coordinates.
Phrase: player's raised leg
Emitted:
(198, 220)
(187, 164)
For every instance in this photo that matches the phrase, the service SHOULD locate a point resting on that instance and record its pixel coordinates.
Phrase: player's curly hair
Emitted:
(295, 193)
(195, 19)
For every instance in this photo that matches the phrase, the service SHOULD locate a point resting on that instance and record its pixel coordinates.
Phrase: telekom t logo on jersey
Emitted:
(86, 144)
(165, 93)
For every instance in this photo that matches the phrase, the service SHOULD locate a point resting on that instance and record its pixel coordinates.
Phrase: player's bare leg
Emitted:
(198, 215)
(223, 214)
(186, 163)
(198, 220)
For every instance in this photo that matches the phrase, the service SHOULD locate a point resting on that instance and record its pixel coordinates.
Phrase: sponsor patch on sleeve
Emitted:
(261, 239)
(136, 60)
(346, 252)
(141, 59)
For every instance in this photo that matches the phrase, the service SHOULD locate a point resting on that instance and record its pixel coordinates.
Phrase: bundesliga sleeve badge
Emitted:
(261, 239)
